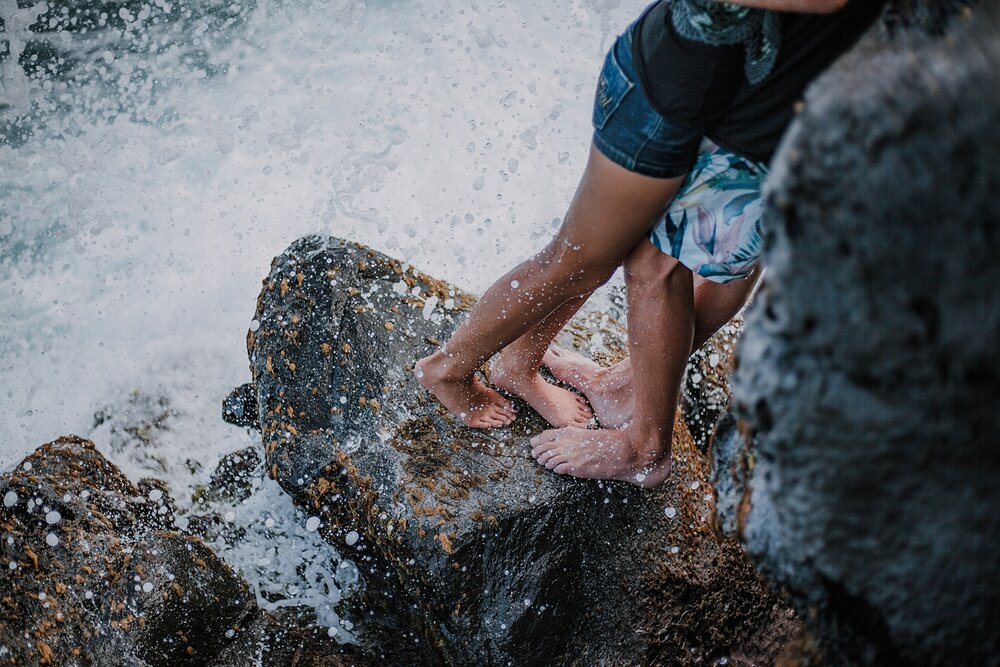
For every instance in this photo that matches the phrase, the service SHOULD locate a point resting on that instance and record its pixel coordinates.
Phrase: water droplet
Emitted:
(155, 495)
(352, 538)
(312, 524)
(51, 539)
(429, 307)
(254, 325)
(515, 284)
(9, 499)
(670, 512)
(53, 517)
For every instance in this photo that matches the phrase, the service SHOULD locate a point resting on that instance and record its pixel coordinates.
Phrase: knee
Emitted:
(648, 266)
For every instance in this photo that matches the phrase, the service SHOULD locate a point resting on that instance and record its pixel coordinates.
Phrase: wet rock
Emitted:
(235, 476)
(705, 392)
(96, 573)
(469, 551)
(240, 407)
(234, 479)
(861, 469)
(133, 429)
(282, 639)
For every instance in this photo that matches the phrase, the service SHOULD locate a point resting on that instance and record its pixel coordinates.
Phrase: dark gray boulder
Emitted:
(470, 552)
(862, 468)
(95, 572)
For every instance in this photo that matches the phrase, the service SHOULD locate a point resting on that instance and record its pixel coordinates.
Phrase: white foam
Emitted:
(134, 247)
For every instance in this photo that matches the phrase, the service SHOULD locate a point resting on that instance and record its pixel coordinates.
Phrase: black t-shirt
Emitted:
(701, 86)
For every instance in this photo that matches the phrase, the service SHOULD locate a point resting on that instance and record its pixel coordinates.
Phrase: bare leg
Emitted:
(661, 330)
(609, 390)
(611, 211)
(516, 370)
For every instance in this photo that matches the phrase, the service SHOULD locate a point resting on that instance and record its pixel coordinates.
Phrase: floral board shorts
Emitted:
(713, 224)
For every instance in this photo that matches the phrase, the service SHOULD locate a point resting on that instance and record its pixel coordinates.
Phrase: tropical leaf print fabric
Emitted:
(712, 226)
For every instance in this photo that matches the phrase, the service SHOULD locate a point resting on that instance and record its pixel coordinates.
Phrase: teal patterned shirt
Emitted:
(718, 22)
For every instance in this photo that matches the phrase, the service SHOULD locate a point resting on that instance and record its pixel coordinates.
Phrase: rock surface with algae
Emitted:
(470, 552)
(96, 573)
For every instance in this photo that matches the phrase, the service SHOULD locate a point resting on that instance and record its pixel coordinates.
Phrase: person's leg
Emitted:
(660, 330)
(716, 304)
(609, 389)
(516, 371)
(613, 209)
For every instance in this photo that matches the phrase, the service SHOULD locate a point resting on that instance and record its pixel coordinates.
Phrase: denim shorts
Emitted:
(713, 224)
(628, 130)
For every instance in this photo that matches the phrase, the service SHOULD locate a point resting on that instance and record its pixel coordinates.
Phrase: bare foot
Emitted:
(601, 454)
(558, 406)
(609, 390)
(475, 404)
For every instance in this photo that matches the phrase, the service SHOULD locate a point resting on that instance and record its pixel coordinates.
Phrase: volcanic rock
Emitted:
(861, 467)
(96, 573)
(470, 552)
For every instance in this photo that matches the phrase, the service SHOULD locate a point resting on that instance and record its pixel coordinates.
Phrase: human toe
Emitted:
(555, 461)
(499, 416)
(543, 457)
(507, 410)
(477, 421)
(544, 437)
(564, 468)
(542, 449)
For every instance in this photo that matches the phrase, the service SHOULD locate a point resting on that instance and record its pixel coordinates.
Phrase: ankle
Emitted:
(514, 367)
(649, 444)
(610, 379)
(513, 378)
(440, 367)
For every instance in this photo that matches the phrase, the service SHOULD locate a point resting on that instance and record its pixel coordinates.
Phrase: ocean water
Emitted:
(154, 157)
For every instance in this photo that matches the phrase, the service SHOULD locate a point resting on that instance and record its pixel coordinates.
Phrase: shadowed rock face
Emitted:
(870, 363)
(100, 576)
(705, 392)
(472, 553)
